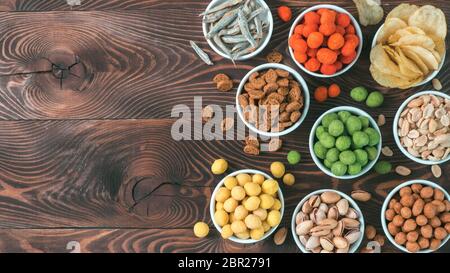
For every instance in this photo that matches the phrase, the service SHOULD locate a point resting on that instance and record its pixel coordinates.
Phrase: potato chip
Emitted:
(388, 80)
(407, 67)
(424, 54)
(402, 11)
(431, 20)
(416, 40)
(381, 60)
(370, 11)
(390, 27)
(416, 59)
(439, 43)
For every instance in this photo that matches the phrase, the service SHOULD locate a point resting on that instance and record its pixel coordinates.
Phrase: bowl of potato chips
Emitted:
(409, 48)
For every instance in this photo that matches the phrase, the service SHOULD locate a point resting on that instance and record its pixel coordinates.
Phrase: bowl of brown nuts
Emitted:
(247, 206)
(272, 100)
(327, 221)
(422, 127)
(416, 216)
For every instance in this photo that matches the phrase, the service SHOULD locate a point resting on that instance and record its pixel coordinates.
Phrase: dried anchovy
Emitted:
(214, 17)
(225, 21)
(246, 51)
(234, 39)
(224, 5)
(243, 24)
(222, 46)
(259, 28)
(255, 13)
(202, 54)
(240, 46)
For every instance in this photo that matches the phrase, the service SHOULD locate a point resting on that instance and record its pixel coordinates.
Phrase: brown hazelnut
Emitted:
(429, 210)
(392, 203)
(447, 205)
(418, 207)
(398, 220)
(423, 243)
(447, 227)
(426, 231)
(393, 230)
(440, 233)
(389, 214)
(440, 206)
(421, 220)
(405, 191)
(439, 195)
(397, 207)
(426, 192)
(380, 239)
(412, 236)
(435, 222)
(400, 238)
(416, 188)
(407, 201)
(371, 231)
(409, 225)
(412, 246)
(406, 212)
(434, 244)
(445, 217)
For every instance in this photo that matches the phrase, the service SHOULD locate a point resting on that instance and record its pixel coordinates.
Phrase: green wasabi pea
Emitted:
(364, 121)
(344, 115)
(353, 124)
(359, 94)
(383, 167)
(372, 152)
(354, 169)
(319, 150)
(332, 155)
(328, 118)
(360, 139)
(361, 157)
(336, 128)
(374, 136)
(293, 157)
(343, 143)
(338, 168)
(375, 99)
(327, 163)
(320, 129)
(327, 140)
(347, 157)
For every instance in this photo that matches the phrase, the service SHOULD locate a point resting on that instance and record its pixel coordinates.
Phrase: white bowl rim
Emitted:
(352, 202)
(305, 92)
(395, 126)
(427, 79)
(312, 136)
(386, 203)
(254, 53)
(357, 30)
(212, 206)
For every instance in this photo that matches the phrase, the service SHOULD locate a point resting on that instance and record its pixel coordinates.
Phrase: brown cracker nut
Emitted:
(271, 76)
(389, 214)
(243, 100)
(405, 191)
(255, 94)
(418, 207)
(412, 236)
(429, 210)
(393, 230)
(295, 116)
(252, 140)
(284, 82)
(258, 83)
(400, 238)
(407, 201)
(274, 57)
(220, 77)
(421, 220)
(439, 195)
(416, 188)
(426, 231)
(412, 246)
(424, 243)
(225, 85)
(409, 225)
(251, 150)
(426, 192)
(434, 244)
(282, 73)
(440, 233)
(293, 106)
(285, 116)
(270, 87)
(253, 77)
(284, 91)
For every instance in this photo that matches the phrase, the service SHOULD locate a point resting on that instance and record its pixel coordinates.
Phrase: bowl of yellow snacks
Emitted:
(247, 206)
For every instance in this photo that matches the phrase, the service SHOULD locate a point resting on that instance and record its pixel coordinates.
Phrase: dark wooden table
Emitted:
(86, 154)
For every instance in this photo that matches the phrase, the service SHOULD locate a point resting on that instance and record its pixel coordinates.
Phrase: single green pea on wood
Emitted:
(293, 157)
(383, 167)
(375, 99)
(359, 94)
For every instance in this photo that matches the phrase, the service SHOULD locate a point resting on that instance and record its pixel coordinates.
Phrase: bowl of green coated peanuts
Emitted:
(345, 142)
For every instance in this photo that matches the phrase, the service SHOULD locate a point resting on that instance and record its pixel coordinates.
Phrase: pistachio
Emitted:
(330, 197)
(320, 231)
(326, 244)
(342, 250)
(304, 227)
(352, 213)
(339, 229)
(306, 208)
(333, 213)
(340, 242)
(342, 206)
(361, 195)
(323, 207)
(350, 223)
(352, 236)
(314, 201)
(312, 242)
(303, 239)
(328, 223)
(317, 215)
(301, 216)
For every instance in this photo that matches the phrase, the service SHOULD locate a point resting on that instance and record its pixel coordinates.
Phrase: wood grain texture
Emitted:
(91, 158)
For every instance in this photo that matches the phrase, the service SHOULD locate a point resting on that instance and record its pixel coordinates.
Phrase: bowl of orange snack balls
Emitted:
(325, 41)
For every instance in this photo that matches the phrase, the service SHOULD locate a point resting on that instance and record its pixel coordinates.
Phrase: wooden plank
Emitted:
(133, 64)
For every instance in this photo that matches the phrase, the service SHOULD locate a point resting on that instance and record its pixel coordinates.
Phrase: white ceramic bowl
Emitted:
(386, 204)
(212, 207)
(265, 16)
(357, 30)
(395, 126)
(305, 93)
(353, 204)
(427, 79)
(312, 137)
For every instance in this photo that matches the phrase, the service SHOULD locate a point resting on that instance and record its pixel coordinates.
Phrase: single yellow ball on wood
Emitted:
(230, 182)
(222, 194)
(252, 203)
(243, 178)
(240, 212)
(257, 233)
(243, 235)
(277, 169)
(252, 221)
(226, 231)
(258, 178)
(238, 226)
(270, 186)
(238, 193)
(276, 205)
(252, 189)
(274, 218)
(201, 229)
(289, 179)
(219, 166)
(230, 205)
(267, 201)
(261, 213)
(221, 217)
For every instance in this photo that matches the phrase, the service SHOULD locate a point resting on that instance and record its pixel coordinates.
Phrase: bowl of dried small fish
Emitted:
(237, 29)
(422, 127)
(272, 100)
